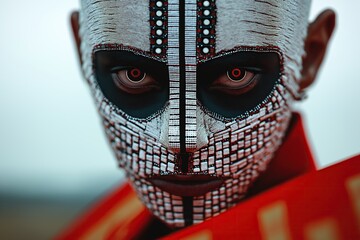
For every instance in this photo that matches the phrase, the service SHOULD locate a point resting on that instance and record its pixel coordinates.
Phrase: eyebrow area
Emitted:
(113, 58)
(267, 61)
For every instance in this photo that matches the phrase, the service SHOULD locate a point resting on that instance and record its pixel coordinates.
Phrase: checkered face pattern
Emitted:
(183, 35)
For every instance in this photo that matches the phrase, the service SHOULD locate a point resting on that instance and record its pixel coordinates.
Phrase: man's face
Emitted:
(195, 97)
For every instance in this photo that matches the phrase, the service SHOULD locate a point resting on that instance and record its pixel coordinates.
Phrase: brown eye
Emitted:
(134, 80)
(236, 74)
(135, 74)
(235, 81)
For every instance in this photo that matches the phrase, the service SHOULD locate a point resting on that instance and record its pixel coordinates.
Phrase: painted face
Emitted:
(195, 97)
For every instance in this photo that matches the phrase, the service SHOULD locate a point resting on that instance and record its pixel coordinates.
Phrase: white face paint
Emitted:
(218, 136)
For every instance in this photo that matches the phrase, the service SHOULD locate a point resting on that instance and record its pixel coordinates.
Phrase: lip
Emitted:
(187, 185)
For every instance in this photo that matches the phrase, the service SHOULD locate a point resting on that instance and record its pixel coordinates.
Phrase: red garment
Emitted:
(291, 200)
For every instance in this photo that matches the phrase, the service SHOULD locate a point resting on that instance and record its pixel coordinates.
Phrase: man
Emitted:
(196, 98)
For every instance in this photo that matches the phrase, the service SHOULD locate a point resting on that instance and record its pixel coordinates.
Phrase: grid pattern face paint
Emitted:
(190, 74)
(239, 153)
(174, 74)
(237, 149)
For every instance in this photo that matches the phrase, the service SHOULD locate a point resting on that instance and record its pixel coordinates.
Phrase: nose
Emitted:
(186, 134)
(183, 134)
(193, 136)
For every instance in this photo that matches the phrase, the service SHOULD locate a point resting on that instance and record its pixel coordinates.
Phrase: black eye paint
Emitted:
(135, 105)
(266, 67)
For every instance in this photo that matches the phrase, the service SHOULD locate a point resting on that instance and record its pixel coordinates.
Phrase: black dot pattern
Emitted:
(158, 26)
(206, 23)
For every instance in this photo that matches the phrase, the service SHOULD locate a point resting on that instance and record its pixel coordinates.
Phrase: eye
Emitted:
(135, 75)
(134, 80)
(235, 81)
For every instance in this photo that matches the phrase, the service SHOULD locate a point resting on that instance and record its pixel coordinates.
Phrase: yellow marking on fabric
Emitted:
(324, 229)
(353, 188)
(203, 235)
(273, 222)
(121, 214)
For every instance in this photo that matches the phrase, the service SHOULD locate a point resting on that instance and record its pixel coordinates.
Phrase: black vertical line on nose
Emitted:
(184, 157)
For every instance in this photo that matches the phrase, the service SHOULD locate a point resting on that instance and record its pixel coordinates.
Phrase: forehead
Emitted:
(260, 23)
(123, 22)
(245, 23)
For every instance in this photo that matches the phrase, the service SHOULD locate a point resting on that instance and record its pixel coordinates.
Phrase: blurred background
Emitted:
(54, 158)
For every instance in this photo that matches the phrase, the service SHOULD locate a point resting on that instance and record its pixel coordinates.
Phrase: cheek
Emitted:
(141, 145)
(243, 145)
(239, 153)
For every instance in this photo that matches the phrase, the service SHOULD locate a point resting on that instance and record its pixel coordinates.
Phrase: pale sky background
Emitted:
(51, 138)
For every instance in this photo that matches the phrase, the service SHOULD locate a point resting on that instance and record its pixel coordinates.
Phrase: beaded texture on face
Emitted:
(182, 36)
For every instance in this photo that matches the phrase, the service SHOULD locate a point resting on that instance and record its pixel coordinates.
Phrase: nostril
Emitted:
(175, 149)
(184, 161)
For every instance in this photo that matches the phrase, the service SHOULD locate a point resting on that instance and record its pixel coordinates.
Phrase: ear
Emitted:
(316, 43)
(75, 28)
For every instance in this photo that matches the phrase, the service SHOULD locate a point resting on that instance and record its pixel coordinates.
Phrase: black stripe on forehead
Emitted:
(158, 27)
(206, 28)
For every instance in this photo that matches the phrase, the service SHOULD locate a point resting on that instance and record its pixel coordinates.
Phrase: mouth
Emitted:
(187, 185)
